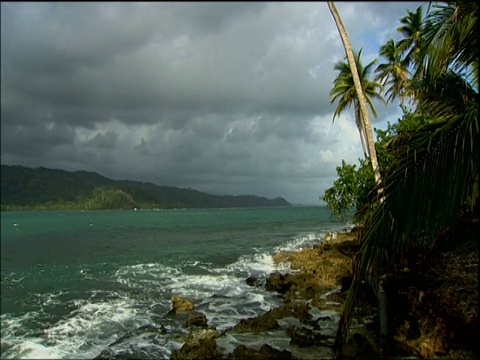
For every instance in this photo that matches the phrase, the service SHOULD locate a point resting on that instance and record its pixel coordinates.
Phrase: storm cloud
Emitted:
(228, 98)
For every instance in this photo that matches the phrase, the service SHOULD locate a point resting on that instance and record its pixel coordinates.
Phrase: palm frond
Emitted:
(451, 96)
(436, 174)
(451, 39)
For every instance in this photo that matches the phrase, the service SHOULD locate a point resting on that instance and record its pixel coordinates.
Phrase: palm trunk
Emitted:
(367, 126)
(361, 130)
(365, 118)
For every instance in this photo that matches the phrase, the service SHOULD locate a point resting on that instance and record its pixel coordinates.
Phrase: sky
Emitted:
(222, 97)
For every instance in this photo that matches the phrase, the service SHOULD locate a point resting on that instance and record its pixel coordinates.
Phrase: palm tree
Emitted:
(436, 174)
(412, 31)
(393, 73)
(344, 91)
(365, 117)
(449, 37)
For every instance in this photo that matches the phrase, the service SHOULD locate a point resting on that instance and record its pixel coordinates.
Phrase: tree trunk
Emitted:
(367, 126)
(361, 130)
(365, 118)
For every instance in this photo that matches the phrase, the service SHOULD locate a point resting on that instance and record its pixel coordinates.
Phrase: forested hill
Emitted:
(25, 188)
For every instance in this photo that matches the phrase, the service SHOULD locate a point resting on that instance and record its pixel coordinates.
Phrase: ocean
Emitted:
(75, 282)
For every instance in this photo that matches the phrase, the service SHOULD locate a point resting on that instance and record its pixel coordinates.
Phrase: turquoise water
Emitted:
(72, 283)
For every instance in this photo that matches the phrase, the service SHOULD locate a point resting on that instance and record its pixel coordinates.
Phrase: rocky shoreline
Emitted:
(313, 292)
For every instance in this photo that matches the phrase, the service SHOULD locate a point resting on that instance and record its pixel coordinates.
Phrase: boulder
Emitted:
(304, 337)
(181, 305)
(196, 349)
(199, 345)
(253, 281)
(197, 318)
(262, 323)
(279, 282)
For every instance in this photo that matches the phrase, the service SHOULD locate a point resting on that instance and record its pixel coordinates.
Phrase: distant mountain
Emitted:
(25, 188)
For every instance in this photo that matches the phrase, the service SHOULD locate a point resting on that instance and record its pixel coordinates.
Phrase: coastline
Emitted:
(433, 319)
(313, 291)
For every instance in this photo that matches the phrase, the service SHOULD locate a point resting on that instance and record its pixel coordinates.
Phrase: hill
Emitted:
(24, 188)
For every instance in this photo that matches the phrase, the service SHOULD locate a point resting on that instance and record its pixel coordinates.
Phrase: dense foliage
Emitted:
(24, 188)
(353, 188)
(430, 166)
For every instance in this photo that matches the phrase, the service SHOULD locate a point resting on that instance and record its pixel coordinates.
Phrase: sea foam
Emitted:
(83, 334)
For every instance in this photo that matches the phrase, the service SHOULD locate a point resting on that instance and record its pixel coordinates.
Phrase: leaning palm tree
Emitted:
(393, 73)
(436, 173)
(365, 117)
(344, 91)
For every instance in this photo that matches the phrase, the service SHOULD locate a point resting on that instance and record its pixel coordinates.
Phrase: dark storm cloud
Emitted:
(223, 97)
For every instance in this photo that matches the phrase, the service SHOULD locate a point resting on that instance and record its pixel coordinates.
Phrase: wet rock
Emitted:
(268, 321)
(304, 337)
(181, 304)
(262, 323)
(266, 352)
(253, 281)
(196, 349)
(199, 345)
(348, 247)
(197, 318)
(309, 292)
(125, 346)
(279, 282)
(338, 297)
(107, 354)
(301, 311)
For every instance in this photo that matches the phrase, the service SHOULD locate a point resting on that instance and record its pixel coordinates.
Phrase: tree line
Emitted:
(24, 188)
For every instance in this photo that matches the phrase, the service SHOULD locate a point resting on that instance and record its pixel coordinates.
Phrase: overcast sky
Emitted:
(227, 98)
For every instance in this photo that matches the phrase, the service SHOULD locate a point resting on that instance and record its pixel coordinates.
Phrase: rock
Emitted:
(304, 337)
(199, 345)
(125, 347)
(196, 349)
(106, 354)
(301, 311)
(197, 318)
(266, 352)
(262, 323)
(253, 281)
(279, 282)
(181, 305)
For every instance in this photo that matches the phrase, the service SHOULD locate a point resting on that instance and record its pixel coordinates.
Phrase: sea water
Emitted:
(74, 282)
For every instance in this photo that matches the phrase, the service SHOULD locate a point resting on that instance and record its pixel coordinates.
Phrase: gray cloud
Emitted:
(221, 97)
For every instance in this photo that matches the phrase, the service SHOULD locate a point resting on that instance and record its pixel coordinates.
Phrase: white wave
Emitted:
(301, 241)
(17, 343)
(201, 286)
(150, 270)
(87, 331)
(259, 263)
(34, 350)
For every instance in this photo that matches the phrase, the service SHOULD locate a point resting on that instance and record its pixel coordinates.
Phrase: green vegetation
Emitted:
(429, 160)
(344, 91)
(354, 186)
(24, 188)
